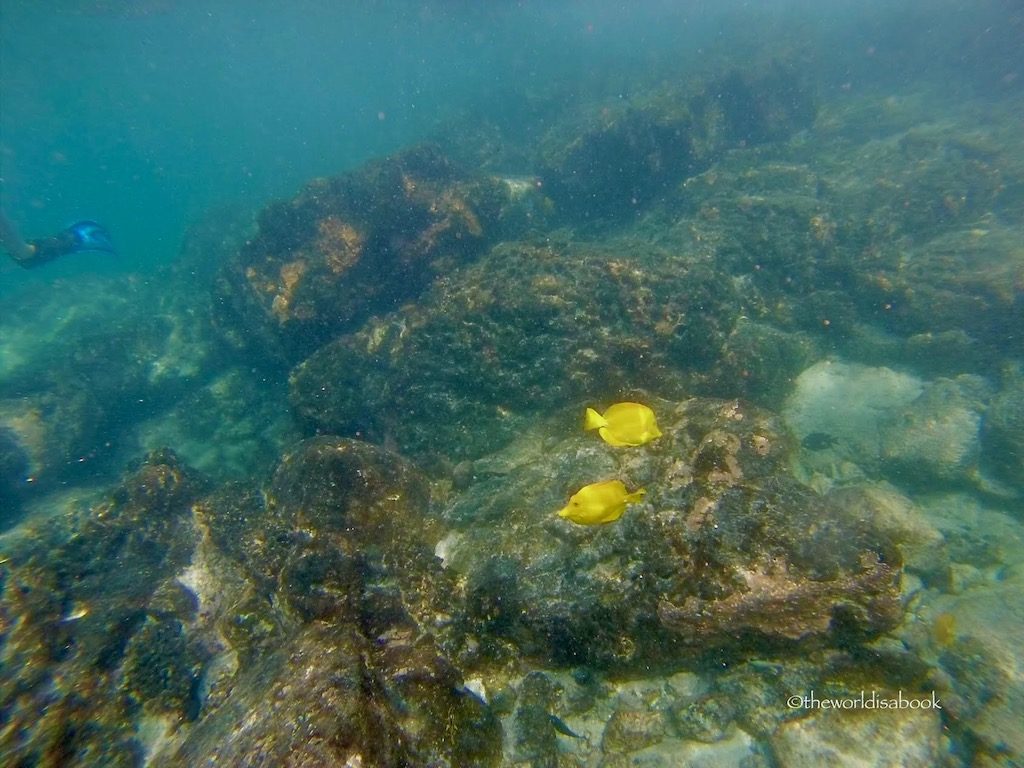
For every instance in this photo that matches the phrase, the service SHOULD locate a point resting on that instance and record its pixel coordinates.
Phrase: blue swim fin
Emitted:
(91, 236)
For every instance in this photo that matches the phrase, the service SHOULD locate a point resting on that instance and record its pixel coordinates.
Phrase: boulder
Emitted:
(727, 552)
(351, 246)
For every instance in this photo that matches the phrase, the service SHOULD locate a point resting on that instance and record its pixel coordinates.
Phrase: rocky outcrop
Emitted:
(726, 551)
(351, 246)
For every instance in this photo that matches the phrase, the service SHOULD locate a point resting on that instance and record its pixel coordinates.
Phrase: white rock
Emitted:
(890, 738)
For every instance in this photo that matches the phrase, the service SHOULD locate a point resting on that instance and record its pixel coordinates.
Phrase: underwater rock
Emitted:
(936, 437)
(13, 475)
(708, 718)
(768, 224)
(632, 730)
(319, 597)
(236, 520)
(911, 236)
(321, 700)
(631, 159)
(536, 735)
(366, 531)
(896, 517)
(620, 166)
(75, 609)
(850, 404)
(1003, 432)
(775, 604)
(524, 332)
(83, 365)
(351, 246)
(978, 661)
(887, 424)
(159, 667)
(764, 360)
(925, 243)
(363, 649)
(727, 551)
(939, 353)
(341, 534)
(891, 737)
(230, 427)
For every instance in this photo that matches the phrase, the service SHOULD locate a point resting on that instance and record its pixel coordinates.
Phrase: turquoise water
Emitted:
(146, 114)
(279, 479)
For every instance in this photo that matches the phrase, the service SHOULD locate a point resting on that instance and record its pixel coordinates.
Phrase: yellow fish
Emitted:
(624, 424)
(598, 503)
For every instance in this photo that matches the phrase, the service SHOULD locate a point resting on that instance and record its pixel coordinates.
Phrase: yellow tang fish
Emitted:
(598, 503)
(624, 424)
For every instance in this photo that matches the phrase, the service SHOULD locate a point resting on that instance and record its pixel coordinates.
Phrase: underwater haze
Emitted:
(145, 114)
(585, 384)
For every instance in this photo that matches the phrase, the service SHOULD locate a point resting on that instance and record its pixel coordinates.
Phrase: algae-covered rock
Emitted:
(971, 640)
(229, 428)
(968, 281)
(160, 669)
(82, 366)
(364, 532)
(321, 700)
(351, 246)
(726, 551)
(363, 651)
(320, 595)
(896, 517)
(80, 610)
(914, 236)
(521, 334)
(628, 159)
(632, 730)
(536, 736)
(763, 360)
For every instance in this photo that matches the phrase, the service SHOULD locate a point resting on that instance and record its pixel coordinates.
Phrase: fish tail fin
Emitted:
(636, 496)
(594, 420)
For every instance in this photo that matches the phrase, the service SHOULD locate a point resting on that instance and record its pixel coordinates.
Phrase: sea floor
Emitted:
(352, 558)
